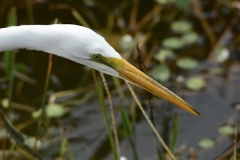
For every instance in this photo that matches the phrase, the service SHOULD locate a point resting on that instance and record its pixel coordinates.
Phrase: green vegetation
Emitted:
(57, 109)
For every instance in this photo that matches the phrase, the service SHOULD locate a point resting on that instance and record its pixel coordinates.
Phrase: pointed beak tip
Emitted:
(135, 76)
(195, 112)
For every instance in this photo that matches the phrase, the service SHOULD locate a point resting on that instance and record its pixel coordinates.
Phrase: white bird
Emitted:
(84, 46)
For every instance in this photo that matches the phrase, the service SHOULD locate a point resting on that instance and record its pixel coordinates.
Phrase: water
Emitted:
(87, 135)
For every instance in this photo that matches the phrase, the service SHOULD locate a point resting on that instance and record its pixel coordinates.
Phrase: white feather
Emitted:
(69, 41)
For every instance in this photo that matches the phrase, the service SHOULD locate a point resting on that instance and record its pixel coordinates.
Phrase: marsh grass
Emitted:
(129, 131)
(9, 58)
(99, 89)
(142, 28)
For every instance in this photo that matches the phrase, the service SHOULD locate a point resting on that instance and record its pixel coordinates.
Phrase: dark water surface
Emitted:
(84, 125)
(88, 134)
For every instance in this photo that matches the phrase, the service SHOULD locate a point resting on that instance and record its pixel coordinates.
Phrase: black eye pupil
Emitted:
(96, 56)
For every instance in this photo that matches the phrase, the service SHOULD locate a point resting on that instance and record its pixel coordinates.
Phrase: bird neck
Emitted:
(33, 37)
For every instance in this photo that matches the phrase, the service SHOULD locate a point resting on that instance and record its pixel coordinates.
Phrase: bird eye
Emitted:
(96, 56)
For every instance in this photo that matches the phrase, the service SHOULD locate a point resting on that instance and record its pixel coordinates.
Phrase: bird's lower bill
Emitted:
(135, 76)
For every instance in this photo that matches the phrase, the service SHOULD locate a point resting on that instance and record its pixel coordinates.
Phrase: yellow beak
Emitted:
(135, 76)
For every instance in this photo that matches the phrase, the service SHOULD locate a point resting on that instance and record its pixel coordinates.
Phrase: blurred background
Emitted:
(190, 46)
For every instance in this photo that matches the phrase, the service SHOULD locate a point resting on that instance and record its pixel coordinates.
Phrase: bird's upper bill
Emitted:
(135, 76)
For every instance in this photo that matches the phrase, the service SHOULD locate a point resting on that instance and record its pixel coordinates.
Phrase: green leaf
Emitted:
(32, 142)
(187, 63)
(5, 103)
(165, 1)
(63, 147)
(126, 122)
(195, 83)
(163, 54)
(128, 129)
(55, 110)
(9, 56)
(91, 3)
(172, 43)
(161, 73)
(36, 114)
(206, 143)
(3, 133)
(21, 67)
(12, 17)
(226, 130)
(190, 38)
(183, 4)
(181, 26)
(99, 89)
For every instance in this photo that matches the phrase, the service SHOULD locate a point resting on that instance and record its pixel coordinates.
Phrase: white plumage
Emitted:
(82, 45)
(72, 42)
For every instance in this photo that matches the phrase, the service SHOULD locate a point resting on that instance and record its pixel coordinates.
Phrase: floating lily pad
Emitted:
(206, 143)
(196, 83)
(126, 42)
(52, 110)
(164, 54)
(187, 63)
(223, 55)
(5, 103)
(190, 38)
(165, 1)
(32, 142)
(173, 43)
(226, 130)
(3, 133)
(91, 3)
(36, 114)
(180, 79)
(55, 110)
(183, 4)
(161, 73)
(216, 70)
(181, 26)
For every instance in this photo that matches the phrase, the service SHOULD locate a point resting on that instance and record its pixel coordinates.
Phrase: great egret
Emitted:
(84, 46)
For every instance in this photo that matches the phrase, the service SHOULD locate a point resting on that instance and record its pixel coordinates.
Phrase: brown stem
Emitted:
(112, 114)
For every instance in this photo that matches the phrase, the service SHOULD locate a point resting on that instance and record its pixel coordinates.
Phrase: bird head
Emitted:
(96, 53)
(102, 57)
(121, 68)
(86, 47)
